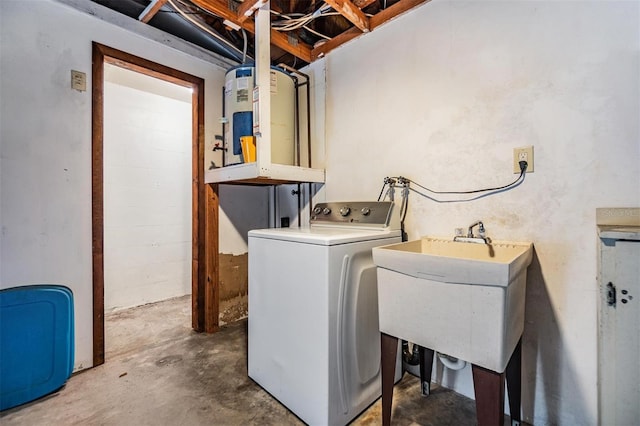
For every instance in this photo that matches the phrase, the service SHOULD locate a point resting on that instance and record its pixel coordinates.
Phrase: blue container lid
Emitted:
(36, 342)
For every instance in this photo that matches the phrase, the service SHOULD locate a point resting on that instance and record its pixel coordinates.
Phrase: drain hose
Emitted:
(410, 357)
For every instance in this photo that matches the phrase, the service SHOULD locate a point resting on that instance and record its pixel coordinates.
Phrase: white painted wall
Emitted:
(242, 208)
(45, 132)
(147, 189)
(442, 95)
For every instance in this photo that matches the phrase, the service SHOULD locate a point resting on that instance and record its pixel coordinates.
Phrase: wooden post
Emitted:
(514, 383)
(212, 263)
(389, 351)
(97, 203)
(263, 85)
(426, 365)
(489, 390)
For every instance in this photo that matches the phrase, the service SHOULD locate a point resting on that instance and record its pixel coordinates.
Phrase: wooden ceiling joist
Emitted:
(329, 45)
(219, 8)
(248, 7)
(363, 3)
(350, 9)
(300, 50)
(351, 12)
(375, 21)
(151, 10)
(392, 11)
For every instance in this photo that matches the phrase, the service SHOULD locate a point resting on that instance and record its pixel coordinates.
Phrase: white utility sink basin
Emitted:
(462, 299)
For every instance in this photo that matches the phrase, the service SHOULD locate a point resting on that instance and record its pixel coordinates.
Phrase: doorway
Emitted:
(146, 189)
(204, 198)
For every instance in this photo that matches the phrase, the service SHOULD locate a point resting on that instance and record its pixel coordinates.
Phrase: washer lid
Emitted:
(326, 236)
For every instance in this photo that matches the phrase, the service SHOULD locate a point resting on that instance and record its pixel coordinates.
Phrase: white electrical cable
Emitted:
(203, 28)
(244, 48)
(290, 22)
(317, 33)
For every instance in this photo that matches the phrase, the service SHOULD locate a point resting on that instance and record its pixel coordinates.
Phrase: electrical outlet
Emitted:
(524, 153)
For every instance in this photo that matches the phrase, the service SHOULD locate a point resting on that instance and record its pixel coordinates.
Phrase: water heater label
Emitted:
(242, 95)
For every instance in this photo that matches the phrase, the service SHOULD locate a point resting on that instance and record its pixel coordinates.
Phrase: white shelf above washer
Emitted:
(271, 174)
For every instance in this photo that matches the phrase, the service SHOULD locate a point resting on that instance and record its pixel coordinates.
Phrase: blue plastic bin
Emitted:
(36, 342)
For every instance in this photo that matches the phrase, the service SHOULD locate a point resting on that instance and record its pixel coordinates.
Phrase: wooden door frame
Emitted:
(205, 257)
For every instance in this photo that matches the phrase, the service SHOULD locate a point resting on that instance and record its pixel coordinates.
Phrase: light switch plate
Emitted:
(78, 81)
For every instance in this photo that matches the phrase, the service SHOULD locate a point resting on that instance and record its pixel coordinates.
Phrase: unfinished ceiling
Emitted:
(301, 30)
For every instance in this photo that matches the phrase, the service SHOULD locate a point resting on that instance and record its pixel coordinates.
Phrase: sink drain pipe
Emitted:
(452, 363)
(410, 357)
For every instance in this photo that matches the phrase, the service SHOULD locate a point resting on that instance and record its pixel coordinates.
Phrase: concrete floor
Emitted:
(159, 372)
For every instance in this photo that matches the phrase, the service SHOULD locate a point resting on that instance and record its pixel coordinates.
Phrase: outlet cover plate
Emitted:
(78, 81)
(527, 151)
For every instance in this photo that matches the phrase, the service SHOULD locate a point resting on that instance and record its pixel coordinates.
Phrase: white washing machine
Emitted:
(314, 341)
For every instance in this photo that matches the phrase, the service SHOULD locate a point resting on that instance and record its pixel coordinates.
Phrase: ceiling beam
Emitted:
(351, 12)
(375, 21)
(300, 50)
(329, 45)
(219, 8)
(392, 11)
(248, 7)
(151, 10)
(363, 3)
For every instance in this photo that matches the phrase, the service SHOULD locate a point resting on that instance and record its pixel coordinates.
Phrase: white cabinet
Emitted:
(619, 316)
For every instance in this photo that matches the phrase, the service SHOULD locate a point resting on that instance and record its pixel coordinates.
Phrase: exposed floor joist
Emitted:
(375, 21)
(150, 11)
(314, 28)
(248, 7)
(219, 8)
(351, 10)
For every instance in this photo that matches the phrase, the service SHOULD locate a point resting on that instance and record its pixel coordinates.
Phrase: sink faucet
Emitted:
(480, 226)
(470, 238)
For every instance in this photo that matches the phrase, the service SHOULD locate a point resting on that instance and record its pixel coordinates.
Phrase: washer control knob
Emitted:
(317, 210)
(344, 211)
(326, 210)
(365, 211)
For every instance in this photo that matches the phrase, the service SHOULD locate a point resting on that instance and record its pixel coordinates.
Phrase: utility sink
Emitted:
(462, 299)
(495, 264)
